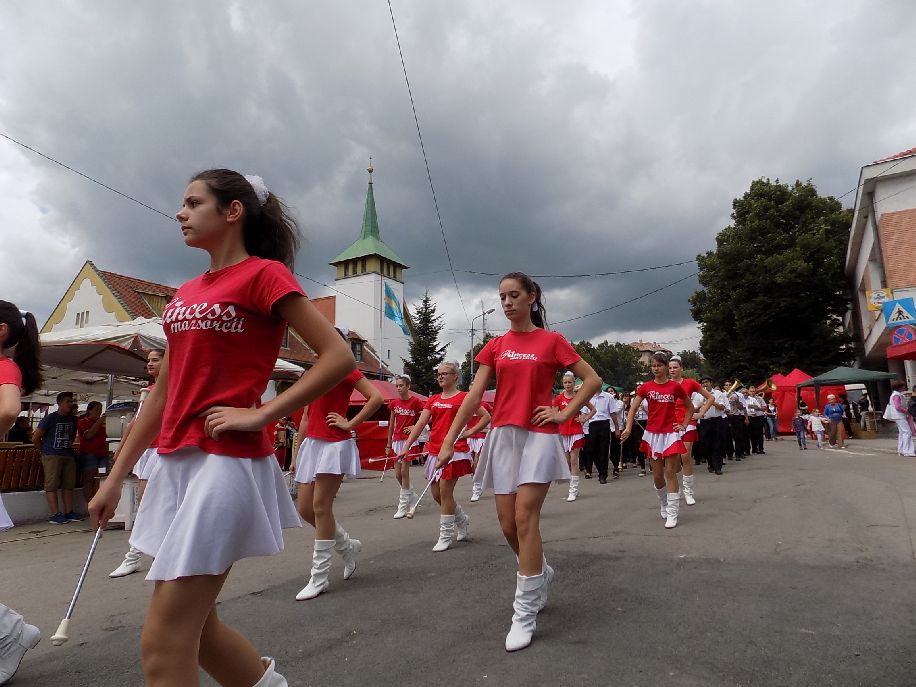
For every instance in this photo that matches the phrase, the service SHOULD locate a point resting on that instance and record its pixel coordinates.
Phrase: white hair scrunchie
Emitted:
(260, 188)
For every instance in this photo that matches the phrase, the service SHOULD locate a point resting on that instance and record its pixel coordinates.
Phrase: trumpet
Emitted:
(734, 387)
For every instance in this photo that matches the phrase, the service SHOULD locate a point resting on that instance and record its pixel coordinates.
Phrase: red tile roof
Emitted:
(128, 291)
(905, 153)
(327, 306)
(650, 346)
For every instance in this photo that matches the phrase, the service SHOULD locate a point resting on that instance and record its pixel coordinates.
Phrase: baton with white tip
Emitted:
(61, 635)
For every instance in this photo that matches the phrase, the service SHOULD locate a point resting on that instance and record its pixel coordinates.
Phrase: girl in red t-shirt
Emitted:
(571, 433)
(405, 411)
(327, 454)
(690, 434)
(143, 469)
(438, 413)
(216, 494)
(661, 441)
(523, 453)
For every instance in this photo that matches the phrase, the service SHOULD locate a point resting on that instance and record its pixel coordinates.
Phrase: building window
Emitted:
(346, 269)
(362, 265)
(285, 342)
(357, 347)
(82, 319)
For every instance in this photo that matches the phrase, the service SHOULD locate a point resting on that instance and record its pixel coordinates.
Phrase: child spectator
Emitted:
(798, 426)
(816, 425)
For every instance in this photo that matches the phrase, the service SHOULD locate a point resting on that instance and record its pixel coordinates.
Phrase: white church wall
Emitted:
(86, 299)
(358, 305)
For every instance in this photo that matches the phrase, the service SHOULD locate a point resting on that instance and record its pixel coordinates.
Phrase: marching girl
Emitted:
(142, 469)
(439, 412)
(19, 374)
(662, 439)
(405, 410)
(216, 494)
(572, 435)
(326, 455)
(690, 435)
(523, 453)
(475, 441)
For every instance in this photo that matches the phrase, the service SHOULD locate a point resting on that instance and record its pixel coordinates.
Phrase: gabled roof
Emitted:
(369, 241)
(129, 290)
(649, 346)
(898, 156)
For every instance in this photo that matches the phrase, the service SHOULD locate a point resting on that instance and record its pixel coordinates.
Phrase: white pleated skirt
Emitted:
(319, 457)
(659, 445)
(5, 520)
(513, 455)
(476, 443)
(146, 463)
(203, 512)
(568, 440)
(399, 445)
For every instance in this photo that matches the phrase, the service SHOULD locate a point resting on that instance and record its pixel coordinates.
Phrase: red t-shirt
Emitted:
(662, 399)
(337, 400)
(525, 364)
(571, 427)
(10, 373)
(98, 444)
(224, 337)
(690, 386)
(405, 415)
(474, 420)
(442, 413)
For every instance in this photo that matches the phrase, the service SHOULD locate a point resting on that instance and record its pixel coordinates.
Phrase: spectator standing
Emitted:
(864, 403)
(834, 413)
(93, 455)
(54, 438)
(20, 432)
(772, 416)
(798, 426)
(816, 425)
(897, 413)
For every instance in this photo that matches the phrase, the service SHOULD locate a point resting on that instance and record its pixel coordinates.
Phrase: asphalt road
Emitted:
(795, 568)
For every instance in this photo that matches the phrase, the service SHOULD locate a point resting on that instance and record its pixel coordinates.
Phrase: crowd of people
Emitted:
(213, 489)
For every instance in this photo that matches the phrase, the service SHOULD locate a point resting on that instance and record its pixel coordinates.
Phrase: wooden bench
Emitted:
(21, 470)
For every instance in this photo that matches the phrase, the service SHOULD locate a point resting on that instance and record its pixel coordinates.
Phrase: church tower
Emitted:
(370, 290)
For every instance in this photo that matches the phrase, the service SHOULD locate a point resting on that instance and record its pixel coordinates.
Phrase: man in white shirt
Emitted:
(615, 410)
(756, 418)
(713, 427)
(598, 438)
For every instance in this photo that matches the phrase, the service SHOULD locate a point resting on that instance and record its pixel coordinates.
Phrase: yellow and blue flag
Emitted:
(393, 310)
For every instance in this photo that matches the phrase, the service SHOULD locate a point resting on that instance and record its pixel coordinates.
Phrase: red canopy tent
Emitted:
(785, 396)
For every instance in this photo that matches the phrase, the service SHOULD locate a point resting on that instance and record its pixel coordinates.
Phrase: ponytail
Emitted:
(24, 336)
(270, 231)
(538, 311)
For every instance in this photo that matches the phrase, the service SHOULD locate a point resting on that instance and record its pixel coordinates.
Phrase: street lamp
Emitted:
(484, 330)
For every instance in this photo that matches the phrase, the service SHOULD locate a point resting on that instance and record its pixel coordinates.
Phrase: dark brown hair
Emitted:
(24, 336)
(538, 311)
(660, 356)
(269, 231)
(898, 385)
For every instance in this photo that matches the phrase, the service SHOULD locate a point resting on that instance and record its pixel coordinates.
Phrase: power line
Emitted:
(612, 307)
(429, 175)
(856, 188)
(594, 274)
(89, 178)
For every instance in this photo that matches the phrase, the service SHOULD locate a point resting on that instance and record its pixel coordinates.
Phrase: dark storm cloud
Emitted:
(555, 146)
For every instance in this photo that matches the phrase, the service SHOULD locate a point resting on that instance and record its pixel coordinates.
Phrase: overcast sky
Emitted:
(563, 137)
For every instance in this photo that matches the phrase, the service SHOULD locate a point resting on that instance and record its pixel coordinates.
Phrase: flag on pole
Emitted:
(393, 310)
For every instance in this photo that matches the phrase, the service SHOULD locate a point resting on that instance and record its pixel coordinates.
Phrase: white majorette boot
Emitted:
(29, 636)
(528, 591)
(271, 678)
(446, 532)
(549, 574)
(476, 491)
(573, 488)
(663, 501)
(130, 565)
(403, 504)
(462, 521)
(674, 505)
(348, 550)
(321, 567)
(688, 489)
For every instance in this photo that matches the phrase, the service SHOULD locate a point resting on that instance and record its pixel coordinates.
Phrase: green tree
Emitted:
(424, 348)
(466, 365)
(616, 363)
(691, 360)
(774, 291)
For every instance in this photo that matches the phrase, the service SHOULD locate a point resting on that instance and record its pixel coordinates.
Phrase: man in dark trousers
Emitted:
(598, 441)
(713, 428)
(737, 419)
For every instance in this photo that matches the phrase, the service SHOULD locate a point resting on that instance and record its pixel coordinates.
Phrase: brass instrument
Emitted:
(734, 387)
